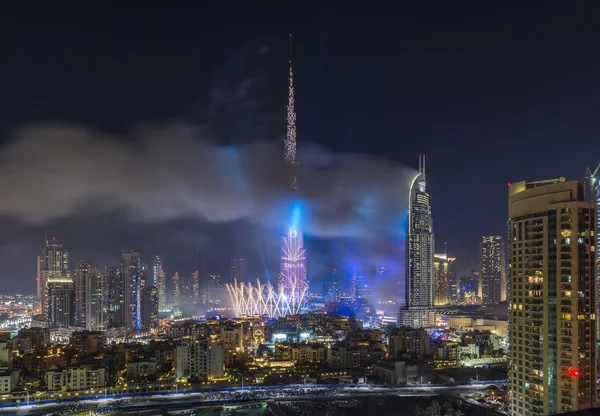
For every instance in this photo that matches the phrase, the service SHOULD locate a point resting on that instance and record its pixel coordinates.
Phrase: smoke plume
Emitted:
(164, 173)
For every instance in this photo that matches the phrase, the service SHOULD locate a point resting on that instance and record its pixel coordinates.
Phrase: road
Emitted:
(266, 394)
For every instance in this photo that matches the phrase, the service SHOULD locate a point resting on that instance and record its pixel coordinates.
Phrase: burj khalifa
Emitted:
(292, 275)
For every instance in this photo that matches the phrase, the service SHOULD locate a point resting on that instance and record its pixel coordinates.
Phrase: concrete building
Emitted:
(75, 378)
(9, 381)
(419, 280)
(552, 315)
(142, 369)
(199, 358)
(411, 341)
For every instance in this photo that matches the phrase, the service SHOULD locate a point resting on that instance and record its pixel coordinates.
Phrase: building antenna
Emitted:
(290, 49)
(423, 163)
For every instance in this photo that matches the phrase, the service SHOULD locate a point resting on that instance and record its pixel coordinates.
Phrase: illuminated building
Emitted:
(440, 267)
(332, 287)
(292, 279)
(130, 274)
(53, 263)
(96, 301)
(149, 307)
(595, 193)
(60, 301)
(237, 270)
(199, 358)
(492, 270)
(196, 287)
(353, 286)
(419, 310)
(453, 282)
(364, 291)
(552, 316)
(157, 266)
(81, 280)
(176, 288)
(115, 309)
(162, 291)
(292, 275)
(217, 290)
(89, 292)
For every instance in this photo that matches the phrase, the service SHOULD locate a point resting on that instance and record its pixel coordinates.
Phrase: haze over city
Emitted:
(292, 209)
(446, 94)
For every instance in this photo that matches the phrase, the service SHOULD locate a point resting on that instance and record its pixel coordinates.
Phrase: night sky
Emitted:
(490, 95)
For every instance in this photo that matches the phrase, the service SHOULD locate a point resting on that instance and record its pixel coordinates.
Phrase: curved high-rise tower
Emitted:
(292, 275)
(419, 309)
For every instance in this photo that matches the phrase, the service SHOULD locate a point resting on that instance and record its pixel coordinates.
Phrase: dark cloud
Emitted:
(166, 173)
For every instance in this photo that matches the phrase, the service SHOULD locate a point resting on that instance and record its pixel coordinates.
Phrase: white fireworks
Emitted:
(263, 300)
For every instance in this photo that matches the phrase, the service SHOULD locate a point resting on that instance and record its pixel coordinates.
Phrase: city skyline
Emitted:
(435, 105)
(395, 207)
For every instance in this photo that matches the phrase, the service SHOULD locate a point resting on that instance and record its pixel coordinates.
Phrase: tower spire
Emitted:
(290, 137)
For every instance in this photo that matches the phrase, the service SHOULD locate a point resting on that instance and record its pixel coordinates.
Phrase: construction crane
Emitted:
(592, 177)
(557, 180)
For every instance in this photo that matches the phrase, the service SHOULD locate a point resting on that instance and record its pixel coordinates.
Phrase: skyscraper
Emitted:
(453, 283)
(81, 279)
(130, 274)
(419, 280)
(492, 268)
(162, 291)
(217, 292)
(332, 287)
(196, 287)
(116, 310)
(60, 301)
(237, 271)
(157, 266)
(552, 316)
(52, 264)
(149, 313)
(440, 266)
(292, 275)
(96, 300)
(176, 289)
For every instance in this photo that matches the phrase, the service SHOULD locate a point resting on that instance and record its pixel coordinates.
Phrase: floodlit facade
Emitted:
(440, 266)
(419, 280)
(492, 270)
(552, 297)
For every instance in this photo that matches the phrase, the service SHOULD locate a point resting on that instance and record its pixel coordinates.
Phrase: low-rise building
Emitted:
(9, 381)
(399, 372)
(75, 378)
(199, 358)
(141, 369)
